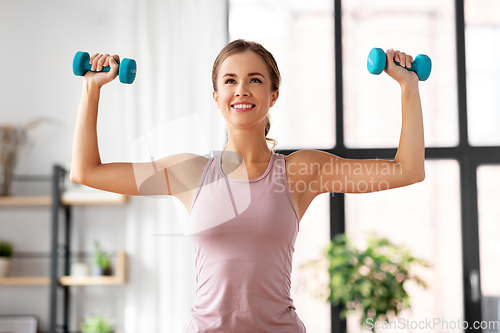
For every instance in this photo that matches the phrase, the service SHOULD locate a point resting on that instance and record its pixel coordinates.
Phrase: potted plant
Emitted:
(101, 264)
(6, 250)
(97, 323)
(370, 281)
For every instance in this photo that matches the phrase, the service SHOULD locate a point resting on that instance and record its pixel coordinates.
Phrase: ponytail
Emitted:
(267, 128)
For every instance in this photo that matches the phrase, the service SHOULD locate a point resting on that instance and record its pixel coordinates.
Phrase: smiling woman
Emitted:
(245, 205)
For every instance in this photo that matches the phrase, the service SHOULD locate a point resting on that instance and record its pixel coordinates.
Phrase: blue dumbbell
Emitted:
(377, 62)
(126, 72)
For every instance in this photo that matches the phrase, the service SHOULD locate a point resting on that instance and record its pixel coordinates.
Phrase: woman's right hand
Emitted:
(98, 61)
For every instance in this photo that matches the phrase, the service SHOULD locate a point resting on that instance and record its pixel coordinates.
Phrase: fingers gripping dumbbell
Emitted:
(126, 72)
(377, 62)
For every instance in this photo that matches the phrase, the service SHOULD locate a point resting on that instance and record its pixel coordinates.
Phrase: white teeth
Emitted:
(243, 106)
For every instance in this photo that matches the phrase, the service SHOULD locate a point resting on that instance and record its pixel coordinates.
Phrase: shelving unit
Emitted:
(63, 201)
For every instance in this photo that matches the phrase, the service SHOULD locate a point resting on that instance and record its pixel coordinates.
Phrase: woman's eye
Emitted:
(228, 80)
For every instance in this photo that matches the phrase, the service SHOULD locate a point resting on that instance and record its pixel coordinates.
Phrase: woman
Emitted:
(245, 205)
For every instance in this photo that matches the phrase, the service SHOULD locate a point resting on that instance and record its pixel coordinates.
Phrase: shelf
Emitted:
(93, 197)
(25, 281)
(117, 279)
(69, 198)
(25, 201)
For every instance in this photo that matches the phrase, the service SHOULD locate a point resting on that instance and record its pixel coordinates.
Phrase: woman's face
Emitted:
(244, 77)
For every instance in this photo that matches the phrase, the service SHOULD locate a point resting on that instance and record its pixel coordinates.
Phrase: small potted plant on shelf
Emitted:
(6, 250)
(370, 281)
(97, 323)
(101, 264)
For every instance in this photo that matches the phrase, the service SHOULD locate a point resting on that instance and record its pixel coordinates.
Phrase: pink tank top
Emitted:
(244, 252)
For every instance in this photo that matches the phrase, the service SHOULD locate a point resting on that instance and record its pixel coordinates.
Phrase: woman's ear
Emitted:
(215, 96)
(274, 97)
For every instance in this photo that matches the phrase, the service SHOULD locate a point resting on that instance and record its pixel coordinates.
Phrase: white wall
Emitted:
(38, 41)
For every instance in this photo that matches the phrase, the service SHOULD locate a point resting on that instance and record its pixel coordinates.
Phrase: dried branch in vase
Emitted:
(12, 140)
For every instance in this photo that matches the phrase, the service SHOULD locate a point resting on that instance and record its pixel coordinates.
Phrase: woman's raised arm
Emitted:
(174, 175)
(324, 172)
(86, 165)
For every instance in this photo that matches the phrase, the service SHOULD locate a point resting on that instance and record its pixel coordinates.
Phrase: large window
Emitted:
(488, 178)
(330, 102)
(482, 33)
(425, 217)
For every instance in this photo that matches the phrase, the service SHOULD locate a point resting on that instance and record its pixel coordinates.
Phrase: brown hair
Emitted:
(241, 45)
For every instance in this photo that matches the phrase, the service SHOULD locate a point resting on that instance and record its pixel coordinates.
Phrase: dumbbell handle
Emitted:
(411, 68)
(88, 68)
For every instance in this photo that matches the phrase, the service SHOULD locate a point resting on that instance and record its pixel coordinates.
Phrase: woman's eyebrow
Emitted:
(249, 74)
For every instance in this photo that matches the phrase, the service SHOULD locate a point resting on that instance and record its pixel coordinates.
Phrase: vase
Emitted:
(7, 176)
(4, 266)
(12, 139)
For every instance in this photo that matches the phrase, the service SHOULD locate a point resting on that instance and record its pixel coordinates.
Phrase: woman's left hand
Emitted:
(400, 74)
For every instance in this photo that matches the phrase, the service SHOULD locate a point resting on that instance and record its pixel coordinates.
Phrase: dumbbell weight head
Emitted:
(424, 66)
(126, 71)
(377, 62)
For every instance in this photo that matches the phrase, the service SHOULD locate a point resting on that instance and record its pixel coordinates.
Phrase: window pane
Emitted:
(482, 33)
(425, 217)
(488, 178)
(372, 103)
(300, 36)
(314, 234)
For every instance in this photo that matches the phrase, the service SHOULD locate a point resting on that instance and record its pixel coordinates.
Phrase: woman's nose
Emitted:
(241, 90)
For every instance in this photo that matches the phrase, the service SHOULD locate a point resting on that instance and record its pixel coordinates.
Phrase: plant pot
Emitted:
(79, 269)
(98, 271)
(5, 264)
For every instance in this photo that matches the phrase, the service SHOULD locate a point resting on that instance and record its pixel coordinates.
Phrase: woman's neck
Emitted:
(252, 151)
(248, 143)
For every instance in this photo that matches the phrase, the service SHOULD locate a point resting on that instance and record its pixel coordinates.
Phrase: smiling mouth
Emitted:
(242, 107)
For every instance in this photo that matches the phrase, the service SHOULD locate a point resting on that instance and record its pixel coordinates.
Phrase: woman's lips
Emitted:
(243, 110)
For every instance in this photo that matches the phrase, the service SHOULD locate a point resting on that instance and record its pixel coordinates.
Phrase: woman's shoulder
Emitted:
(304, 164)
(303, 156)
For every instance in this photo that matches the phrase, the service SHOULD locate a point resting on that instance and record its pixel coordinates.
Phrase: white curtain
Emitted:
(175, 43)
